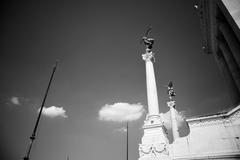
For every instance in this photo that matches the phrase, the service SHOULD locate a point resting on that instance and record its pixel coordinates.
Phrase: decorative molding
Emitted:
(222, 155)
(153, 121)
(225, 118)
(153, 150)
(154, 144)
(171, 104)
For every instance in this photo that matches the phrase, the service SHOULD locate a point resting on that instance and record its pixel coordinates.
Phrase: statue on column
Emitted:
(171, 92)
(148, 42)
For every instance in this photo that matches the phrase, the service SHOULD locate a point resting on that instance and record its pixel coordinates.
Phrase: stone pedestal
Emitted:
(155, 145)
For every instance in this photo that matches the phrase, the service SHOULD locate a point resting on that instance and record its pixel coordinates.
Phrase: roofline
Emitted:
(221, 115)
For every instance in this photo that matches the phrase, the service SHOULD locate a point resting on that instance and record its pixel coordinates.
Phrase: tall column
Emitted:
(233, 91)
(171, 105)
(152, 97)
(155, 145)
(233, 67)
(232, 41)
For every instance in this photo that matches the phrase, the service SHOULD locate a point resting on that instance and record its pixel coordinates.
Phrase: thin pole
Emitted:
(127, 142)
(32, 138)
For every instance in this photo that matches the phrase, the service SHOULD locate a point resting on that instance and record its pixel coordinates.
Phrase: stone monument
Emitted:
(154, 144)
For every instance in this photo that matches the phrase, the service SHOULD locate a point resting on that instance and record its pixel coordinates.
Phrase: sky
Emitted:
(98, 47)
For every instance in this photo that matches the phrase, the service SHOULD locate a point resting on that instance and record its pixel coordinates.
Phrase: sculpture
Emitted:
(148, 41)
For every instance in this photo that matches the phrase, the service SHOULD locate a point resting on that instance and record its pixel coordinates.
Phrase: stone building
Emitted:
(211, 137)
(220, 22)
(217, 136)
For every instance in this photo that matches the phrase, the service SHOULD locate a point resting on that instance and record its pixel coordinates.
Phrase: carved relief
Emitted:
(153, 150)
(235, 116)
(215, 120)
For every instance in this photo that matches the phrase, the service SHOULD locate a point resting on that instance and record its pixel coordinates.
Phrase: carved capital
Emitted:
(148, 55)
(171, 104)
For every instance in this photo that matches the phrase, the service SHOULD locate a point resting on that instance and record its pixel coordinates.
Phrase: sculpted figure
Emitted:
(147, 40)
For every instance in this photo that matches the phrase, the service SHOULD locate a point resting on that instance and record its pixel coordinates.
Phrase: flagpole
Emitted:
(127, 142)
(32, 138)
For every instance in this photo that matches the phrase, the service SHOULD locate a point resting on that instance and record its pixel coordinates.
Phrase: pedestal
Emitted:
(155, 145)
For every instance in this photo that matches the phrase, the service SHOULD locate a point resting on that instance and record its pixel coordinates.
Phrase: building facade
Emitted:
(211, 137)
(217, 136)
(214, 136)
(220, 22)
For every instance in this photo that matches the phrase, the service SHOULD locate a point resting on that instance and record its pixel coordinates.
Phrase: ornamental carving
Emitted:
(153, 121)
(148, 56)
(153, 150)
(223, 119)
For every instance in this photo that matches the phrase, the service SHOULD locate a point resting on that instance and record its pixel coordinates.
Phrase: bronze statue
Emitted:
(147, 40)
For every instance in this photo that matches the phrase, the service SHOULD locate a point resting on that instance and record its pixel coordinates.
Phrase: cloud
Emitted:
(121, 112)
(54, 111)
(121, 130)
(15, 101)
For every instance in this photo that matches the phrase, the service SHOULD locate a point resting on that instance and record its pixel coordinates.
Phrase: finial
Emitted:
(171, 92)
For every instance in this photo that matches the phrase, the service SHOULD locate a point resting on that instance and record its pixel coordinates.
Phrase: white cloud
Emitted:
(54, 112)
(15, 100)
(121, 130)
(120, 112)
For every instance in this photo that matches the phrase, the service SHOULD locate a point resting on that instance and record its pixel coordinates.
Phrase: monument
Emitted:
(217, 136)
(212, 136)
(154, 143)
(220, 26)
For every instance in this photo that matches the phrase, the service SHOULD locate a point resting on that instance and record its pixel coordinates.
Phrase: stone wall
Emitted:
(211, 137)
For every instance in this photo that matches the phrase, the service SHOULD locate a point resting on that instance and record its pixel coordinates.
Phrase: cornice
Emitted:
(223, 118)
(207, 11)
(231, 155)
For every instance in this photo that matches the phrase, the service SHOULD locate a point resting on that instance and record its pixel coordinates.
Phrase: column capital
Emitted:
(148, 55)
(171, 104)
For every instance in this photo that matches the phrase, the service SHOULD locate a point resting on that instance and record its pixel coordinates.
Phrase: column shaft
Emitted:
(233, 91)
(232, 41)
(152, 97)
(232, 65)
(174, 124)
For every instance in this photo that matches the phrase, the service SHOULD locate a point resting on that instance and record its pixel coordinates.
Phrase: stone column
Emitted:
(155, 145)
(152, 97)
(232, 65)
(232, 41)
(171, 105)
(233, 91)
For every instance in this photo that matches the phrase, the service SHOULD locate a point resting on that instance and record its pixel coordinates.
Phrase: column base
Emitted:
(155, 145)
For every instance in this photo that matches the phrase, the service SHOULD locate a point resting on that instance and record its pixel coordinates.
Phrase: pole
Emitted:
(32, 138)
(127, 142)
